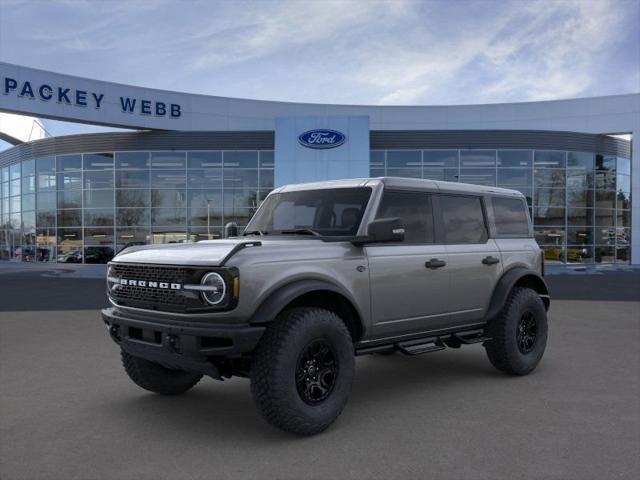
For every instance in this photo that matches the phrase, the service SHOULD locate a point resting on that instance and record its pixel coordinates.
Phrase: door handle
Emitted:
(490, 260)
(435, 263)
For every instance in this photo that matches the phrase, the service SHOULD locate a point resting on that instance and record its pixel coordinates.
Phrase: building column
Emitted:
(635, 197)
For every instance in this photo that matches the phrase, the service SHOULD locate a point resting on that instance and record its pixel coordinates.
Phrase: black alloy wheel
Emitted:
(527, 332)
(317, 372)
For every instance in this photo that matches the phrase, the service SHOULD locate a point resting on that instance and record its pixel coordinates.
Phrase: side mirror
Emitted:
(386, 230)
(231, 230)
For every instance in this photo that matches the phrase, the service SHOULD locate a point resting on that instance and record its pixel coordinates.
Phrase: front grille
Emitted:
(163, 299)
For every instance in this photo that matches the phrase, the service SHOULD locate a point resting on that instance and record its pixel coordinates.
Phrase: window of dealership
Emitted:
(85, 207)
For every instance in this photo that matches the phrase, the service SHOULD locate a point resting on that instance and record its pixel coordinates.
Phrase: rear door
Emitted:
(474, 258)
(409, 279)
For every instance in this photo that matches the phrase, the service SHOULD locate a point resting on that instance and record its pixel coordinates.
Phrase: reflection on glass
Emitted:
(604, 254)
(28, 168)
(97, 161)
(478, 176)
(579, 254)
(168, 179)
(267, 159)
(578, 197)
(204, 159)
(139, 160)
(443, 174)
(70, 199)
(168, 160)
(477, 158)
(604, 217)
(623, 255)
(98, 179)
(163, 235)
(132, 179)
(548, 216)
(545, 197)
(623, 218)
(43, 165)
(514, 177)
(129, 237)
(553, 255)
(70, 218)
(404, 158)
(132, 216)
(376, 159)
(68, 162)
(580, 216)
(549, 178)
(168, 198)
(549, 236)
(580, 236)
(98, 199)
(549, 159)
(240, 159)
(132, 198)
(98, 217)
(69, 245)
(440, 159)
(583, 160)
(169, 217)
(404, 172)
(515, 158)
(70, 180)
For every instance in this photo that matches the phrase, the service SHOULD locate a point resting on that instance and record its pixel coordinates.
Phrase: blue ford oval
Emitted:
(322, 138)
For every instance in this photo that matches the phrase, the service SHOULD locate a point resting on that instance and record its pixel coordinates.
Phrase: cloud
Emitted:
(338, 51)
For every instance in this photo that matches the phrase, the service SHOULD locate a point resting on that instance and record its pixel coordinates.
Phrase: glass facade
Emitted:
(580, 202)
(83, 208)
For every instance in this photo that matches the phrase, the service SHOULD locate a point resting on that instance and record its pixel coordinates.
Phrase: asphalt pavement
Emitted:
(68, 411)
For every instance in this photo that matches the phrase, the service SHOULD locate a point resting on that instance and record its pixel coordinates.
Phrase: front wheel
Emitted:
(518, 334)
(302, 370)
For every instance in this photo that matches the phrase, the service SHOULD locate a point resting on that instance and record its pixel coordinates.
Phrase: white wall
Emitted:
(295, 163)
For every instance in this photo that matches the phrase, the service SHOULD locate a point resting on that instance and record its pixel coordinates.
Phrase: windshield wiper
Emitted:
(254, 232)
(300, 231)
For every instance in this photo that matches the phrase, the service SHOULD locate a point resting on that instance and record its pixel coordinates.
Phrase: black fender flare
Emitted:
(282, 296)
(509, 279)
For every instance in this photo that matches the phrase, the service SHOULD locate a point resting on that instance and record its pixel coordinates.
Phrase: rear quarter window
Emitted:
(510, 217)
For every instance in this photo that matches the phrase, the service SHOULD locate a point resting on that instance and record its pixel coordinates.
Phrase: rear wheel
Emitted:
(302, 370)
(519, 333)
(156, 378)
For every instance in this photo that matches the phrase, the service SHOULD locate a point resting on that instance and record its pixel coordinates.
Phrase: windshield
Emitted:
(325, 212)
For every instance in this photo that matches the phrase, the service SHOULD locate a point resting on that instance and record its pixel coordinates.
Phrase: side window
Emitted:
(510, 216)
(414, 210)
(463, 219)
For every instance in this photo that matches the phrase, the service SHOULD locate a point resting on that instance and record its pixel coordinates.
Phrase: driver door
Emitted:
(409, 279)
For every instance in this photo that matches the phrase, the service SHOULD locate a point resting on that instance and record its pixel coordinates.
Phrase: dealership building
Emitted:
(192, 163)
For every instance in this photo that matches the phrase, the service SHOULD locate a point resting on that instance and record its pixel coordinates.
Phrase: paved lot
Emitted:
(67, 410)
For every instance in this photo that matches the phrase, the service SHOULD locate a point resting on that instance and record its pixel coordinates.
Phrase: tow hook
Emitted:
(173, 343)
(114, 331)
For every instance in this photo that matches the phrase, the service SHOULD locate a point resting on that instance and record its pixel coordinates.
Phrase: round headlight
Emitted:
(111, 280)
(215, 288)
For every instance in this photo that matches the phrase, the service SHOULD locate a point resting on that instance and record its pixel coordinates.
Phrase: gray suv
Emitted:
(327, 271)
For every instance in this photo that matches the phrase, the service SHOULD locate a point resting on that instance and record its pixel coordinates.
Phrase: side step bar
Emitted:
(428, 344)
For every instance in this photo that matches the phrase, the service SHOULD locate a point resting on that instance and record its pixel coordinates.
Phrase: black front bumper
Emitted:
(178, 344)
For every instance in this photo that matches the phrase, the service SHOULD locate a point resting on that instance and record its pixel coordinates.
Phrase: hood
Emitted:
(211, 253)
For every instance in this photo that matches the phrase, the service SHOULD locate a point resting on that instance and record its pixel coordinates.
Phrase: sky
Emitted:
(395, 52)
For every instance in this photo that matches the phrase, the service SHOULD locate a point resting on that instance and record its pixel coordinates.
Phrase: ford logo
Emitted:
(322, 138)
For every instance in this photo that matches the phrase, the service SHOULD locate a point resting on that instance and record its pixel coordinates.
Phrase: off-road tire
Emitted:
(277, 361)
(503, 350)
(156, 378)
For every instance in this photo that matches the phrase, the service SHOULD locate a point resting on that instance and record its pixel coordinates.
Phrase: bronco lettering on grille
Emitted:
(149, 284)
